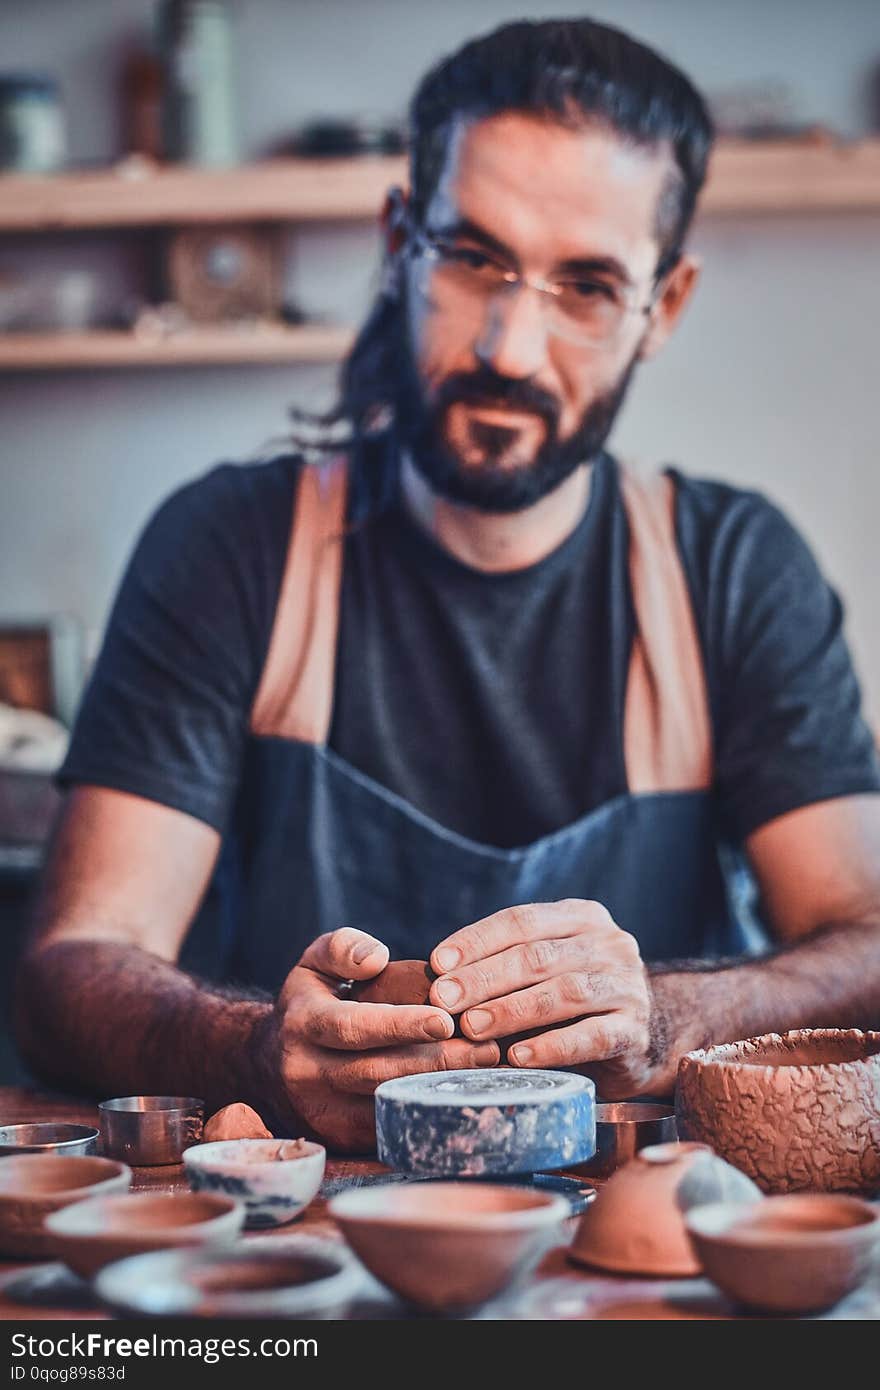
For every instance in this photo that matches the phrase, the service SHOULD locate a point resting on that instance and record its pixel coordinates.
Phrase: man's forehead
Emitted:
(548, 189)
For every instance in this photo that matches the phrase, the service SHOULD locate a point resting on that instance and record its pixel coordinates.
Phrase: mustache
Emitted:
(486, 387)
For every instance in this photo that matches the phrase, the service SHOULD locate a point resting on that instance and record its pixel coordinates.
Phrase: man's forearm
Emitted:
(830, 979)
(116, 1020)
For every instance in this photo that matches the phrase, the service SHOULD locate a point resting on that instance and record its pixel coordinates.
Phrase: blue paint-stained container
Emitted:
(485, 1122)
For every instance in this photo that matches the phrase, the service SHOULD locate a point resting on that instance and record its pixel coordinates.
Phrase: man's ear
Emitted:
(678, 287)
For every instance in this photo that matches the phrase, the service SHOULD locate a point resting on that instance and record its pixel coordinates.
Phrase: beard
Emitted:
(478, 460)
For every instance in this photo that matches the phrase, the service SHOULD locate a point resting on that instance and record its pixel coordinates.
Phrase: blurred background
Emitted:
(166, 293)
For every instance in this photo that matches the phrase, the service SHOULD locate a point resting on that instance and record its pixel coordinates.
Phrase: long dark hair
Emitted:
(574, 71)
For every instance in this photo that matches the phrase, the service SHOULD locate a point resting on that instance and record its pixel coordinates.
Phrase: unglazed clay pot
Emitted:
(296, 1276)
(91, 1234)
(33, 1185)
(636, 1224)
(798, 1111)
(448, 1246)
(793, 1254)
(401, 982)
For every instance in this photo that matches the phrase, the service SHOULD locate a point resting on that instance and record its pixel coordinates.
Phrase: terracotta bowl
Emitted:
(796, 1111)
(33, 1185)
(275, 1178)
(636, 1224)
(91, 1234)
(791, 1254)
(449, 1246)
(277, 1277)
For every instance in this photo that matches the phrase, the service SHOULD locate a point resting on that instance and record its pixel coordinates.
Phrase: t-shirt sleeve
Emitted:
(165, 714)
(789, 728)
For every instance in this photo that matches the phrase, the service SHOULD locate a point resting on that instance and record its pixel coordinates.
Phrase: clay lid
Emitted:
(636, 1224)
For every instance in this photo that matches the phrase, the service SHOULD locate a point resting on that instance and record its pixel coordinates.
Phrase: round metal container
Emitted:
(148, 1131)
(48, 1137)
(622, 1129)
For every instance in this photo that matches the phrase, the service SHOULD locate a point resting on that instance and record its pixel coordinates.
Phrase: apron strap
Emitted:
(667, 729)
(295, 696)
(667, 732)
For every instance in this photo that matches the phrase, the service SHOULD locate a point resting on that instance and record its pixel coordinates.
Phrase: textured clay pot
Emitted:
(636, 1223)
(793, 1254)
(33, 1185)
(91, 1234)
(448, 1246)
(798, 1111)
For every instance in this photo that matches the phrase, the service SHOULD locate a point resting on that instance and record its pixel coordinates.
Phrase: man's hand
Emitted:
(326, 1055)
(543, 965)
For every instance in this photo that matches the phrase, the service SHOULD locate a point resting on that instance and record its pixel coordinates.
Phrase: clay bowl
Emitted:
(796, 1111)
(91, 1234)
(636, 1224)
(448, 1246)
(278, 1277)
(33, 1185)
(275, 1178)
(793, 1254)
(47, 1136)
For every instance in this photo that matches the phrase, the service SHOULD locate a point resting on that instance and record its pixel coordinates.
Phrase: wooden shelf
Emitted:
(786, 176)
(279, 190)
(793, 177)
(190, 347)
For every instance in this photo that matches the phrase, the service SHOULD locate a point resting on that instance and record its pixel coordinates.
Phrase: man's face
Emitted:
(496, 407)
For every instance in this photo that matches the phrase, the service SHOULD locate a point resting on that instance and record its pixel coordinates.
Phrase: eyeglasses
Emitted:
(463, 278)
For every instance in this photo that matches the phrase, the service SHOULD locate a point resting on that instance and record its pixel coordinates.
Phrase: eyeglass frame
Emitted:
(422, 242)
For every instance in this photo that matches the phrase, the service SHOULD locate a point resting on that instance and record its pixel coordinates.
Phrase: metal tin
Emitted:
(149, 1131)
(622, 1129)
(48, 1137)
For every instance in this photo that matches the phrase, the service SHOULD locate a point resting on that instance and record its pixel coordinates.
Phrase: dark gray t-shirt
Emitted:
(492, 703)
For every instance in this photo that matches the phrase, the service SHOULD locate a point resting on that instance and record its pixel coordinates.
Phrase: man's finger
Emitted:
(361, 1075)
(559, 1000)
(517, 968)
(346, 954)
(348, 1026)
(514, 925)
(594, 1039)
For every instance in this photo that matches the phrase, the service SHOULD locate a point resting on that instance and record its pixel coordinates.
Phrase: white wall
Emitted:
(772, 381)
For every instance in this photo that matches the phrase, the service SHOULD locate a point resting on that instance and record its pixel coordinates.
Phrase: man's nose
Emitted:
(513, 338)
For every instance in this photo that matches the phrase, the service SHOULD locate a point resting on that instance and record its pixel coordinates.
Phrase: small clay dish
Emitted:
(275, 1178)
(798, 1253)
(623, 1128)
(449, 1246)
(278, 1277)
(796, 1111)
(33, 1185)
(636, 1223)
(48, 1137)
(149, 1131)
(91, 1234)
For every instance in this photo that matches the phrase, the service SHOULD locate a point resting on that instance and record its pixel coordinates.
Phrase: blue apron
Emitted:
(315, 843)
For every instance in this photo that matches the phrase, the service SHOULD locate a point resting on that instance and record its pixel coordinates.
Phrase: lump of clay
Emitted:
(236, 1121)
(401, 982)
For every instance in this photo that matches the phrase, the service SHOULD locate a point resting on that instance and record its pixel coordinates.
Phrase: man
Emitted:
(524, 717)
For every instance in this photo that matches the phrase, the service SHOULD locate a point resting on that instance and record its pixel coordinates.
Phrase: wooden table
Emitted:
(557, 1289)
